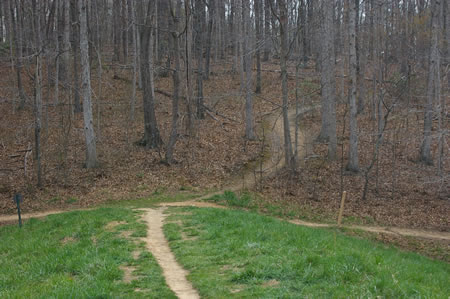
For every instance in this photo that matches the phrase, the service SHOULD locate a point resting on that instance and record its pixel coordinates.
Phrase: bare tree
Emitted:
(284, 56)
(247, 65)
(17, 38)
(353, 164)
(267, 29)
(328, 81)
(76, 57)
(135, 60)
(91, 148)
(65, 66)
(211, 16)
(447, 34)
(199, 26)
(259, 41)
(174, 23)
(432, 89)
(152, 138)
(38, 91)
(188, 67)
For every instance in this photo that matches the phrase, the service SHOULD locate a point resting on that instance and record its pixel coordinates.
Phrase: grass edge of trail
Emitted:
(79, 254)
(237, 253)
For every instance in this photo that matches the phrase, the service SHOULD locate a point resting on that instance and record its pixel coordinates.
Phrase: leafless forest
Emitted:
(109, 100)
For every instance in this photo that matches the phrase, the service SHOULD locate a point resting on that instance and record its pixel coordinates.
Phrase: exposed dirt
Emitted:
(111, 225)
(269, 168)
(128, 275)
(68, 240)
(438, 235)
(205, 160)
(14, 218)
(271, 283)
(157, 244)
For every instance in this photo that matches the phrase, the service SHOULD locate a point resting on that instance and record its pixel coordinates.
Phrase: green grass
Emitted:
(251, 201)
(74, 255)
(156, 198)
(230, 198)
(241, 254)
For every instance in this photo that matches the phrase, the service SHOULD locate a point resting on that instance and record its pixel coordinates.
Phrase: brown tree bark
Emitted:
(17, 38)
(152, 138)
(174, 24)
(248, 70)
(91, 147)
(432, 88)
(199, 27)
(284, 49)
(259, 41)
(353, 161)
(328, 82)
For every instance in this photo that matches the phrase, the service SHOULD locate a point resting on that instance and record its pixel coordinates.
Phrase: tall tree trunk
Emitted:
(303, 32)
(212, 16)
(152, 138)
(116, 35)
(2, 33)
(425, 149)
(241, 40)
(76, 58)
(91, 148)
(247, 52)
(311, 24)
(38, 91)
(57, 52)
(174, 23)
(284, 36)
(8, 29)
(188, 67)
(135, 60)
(124, 18)
(258, 21)
(267, 32)
(17, 37)
(199, 25)
(447, 35)
(65, 65)
(353, 162)
(328, 82)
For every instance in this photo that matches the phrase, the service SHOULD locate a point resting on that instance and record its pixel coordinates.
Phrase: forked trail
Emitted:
(270, 167)
(156, 243)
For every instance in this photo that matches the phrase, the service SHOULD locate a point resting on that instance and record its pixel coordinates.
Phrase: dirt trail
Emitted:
(270, 167)
(14, 217)
(157, 244)
(373, 229)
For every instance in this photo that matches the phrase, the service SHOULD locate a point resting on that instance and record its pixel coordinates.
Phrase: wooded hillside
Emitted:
(107, 100)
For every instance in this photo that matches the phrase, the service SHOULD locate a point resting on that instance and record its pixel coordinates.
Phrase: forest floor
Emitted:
(402, 192)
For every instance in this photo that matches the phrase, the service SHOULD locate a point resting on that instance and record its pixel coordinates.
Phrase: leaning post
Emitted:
(18, 199)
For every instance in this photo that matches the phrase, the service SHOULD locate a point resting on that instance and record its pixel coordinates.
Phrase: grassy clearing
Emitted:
(156, 198)
(241, 254)
(79, 255)
(251, 201)
(436, 249)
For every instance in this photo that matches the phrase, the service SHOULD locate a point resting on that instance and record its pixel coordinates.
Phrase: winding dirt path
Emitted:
(156, 243)
(269, 168)
(406, 232)
(14, 217)
(159, 247)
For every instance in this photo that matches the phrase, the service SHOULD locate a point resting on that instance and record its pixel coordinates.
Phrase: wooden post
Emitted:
(341, 209)
(18, 199)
